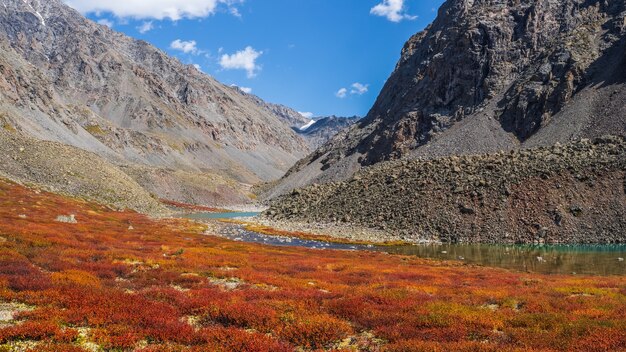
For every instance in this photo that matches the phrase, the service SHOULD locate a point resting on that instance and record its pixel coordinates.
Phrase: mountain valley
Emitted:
(147, 205)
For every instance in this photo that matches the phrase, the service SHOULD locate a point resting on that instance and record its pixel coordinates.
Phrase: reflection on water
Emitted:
(546, 259)
(557, 259)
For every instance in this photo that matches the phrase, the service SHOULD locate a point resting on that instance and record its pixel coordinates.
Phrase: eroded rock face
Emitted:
(508, 67)
(536, 53)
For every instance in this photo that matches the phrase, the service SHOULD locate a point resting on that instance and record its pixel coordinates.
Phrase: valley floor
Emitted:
(108, 280)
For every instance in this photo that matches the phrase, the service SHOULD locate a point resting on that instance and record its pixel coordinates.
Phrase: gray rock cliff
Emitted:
(485, 76)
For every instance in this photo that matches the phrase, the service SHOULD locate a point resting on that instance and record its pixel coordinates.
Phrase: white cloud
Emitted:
(106, 22)
(198, 67)
(145, 27)
(358, 88)
(234, 11)
(156, 9)
(355, 89)
(188, 47)
(308, 115)
(394, 10)
(341, 93)
(242, 60)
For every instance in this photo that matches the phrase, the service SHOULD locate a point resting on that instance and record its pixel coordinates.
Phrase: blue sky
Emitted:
(320, 56)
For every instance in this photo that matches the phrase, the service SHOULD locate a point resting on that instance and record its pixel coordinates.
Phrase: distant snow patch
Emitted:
(306, 127)
(43, 22)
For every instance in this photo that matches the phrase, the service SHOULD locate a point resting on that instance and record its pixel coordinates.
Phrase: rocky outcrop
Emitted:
(67, 79)
(573, 193)
(68, 219)
(487, 76)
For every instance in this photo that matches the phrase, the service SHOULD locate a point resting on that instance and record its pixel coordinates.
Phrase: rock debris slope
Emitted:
(69, 80)
(486, 76)
(72, 171)
(573, 193)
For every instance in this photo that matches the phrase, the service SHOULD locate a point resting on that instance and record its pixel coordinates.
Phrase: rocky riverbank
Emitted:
(574, 193)
(343, 232)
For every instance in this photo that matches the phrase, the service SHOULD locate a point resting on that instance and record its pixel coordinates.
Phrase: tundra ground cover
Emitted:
(119, 281)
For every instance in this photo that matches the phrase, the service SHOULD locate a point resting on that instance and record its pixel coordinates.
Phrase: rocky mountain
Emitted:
(288, 115)
(486, 76)
(69, 80)
(571, 193)
(325, 128)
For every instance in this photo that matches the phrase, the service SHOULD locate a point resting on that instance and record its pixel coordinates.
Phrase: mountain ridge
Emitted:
(69, 80)
(315, 131)
(487, 76)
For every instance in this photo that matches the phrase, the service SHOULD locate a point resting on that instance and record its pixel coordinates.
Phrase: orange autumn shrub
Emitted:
(75, 277)
(36, 331)
(603, 339)
(229, 339)
(20, 275)
(426, 346)
(317, 331)
(242, 315)
(115, 338)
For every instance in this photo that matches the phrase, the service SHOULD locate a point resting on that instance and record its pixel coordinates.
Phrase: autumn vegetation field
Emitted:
(118, 281)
